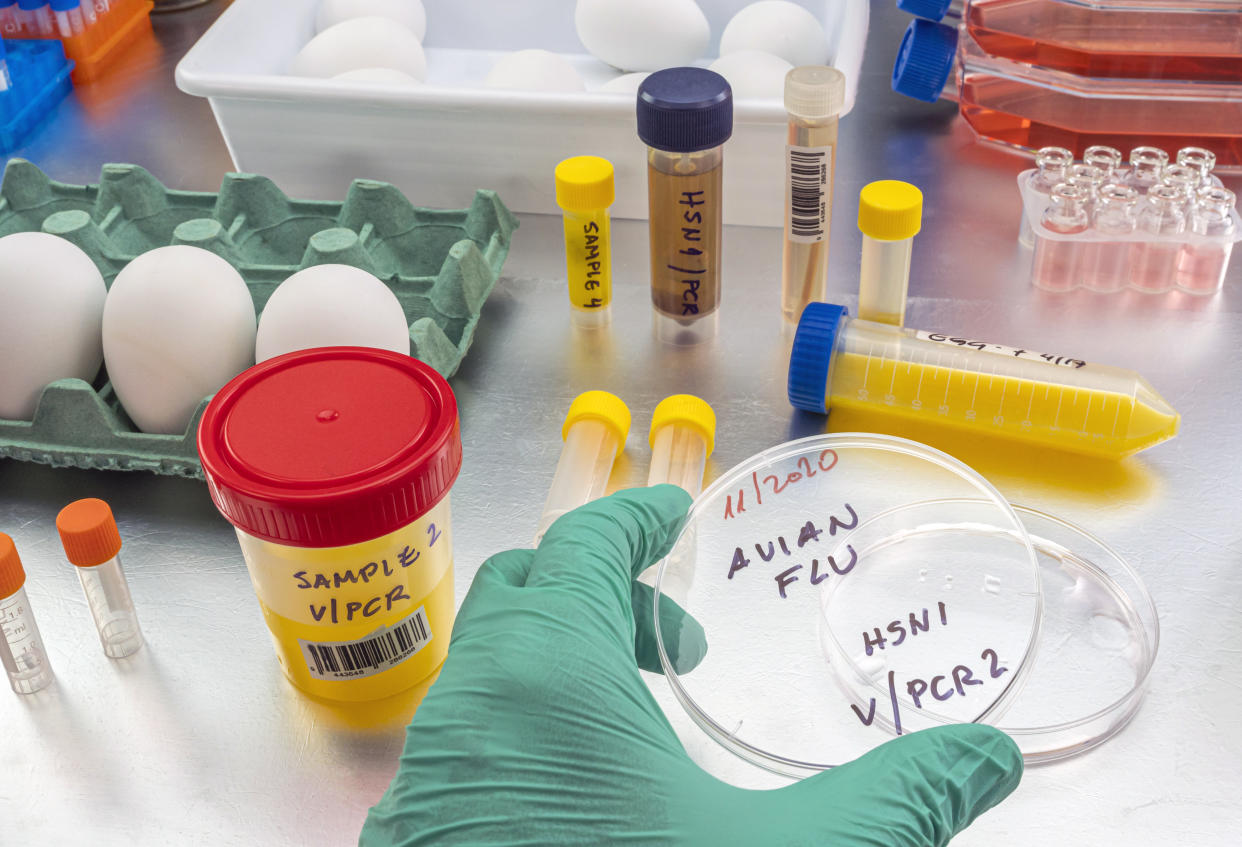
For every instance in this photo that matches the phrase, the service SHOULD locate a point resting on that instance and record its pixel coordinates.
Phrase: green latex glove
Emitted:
(541, 731)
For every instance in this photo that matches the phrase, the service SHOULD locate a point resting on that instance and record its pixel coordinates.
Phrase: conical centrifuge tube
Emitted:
(973, 386)
(21, 648)
(683, 433)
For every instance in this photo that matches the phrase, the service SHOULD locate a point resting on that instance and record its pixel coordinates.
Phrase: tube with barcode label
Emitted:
(814, 97)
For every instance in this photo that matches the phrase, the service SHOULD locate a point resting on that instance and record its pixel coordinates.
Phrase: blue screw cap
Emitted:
(683, 110)
(925, 60)
(811, 359)
(933, 10)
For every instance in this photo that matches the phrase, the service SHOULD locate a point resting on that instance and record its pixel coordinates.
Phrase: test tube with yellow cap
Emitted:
(594, 432)
(683, 433)
(92, 543)
(890, 214)
(21, 647)
(584, 191)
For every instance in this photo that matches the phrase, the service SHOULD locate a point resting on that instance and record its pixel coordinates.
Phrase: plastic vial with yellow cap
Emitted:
(584, 191)
(594, 432)
(973, 386)
(93, 544)
(21, 648)
(683, 433)
(890, 213)
(814, 97)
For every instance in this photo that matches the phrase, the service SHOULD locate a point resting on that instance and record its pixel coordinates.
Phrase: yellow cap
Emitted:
(600, 406)
(584, 184)
(890, 210)
(11, 574)
(88, 532)
(685, 410)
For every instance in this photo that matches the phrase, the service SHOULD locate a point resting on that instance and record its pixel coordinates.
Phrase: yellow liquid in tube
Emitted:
(982, 391)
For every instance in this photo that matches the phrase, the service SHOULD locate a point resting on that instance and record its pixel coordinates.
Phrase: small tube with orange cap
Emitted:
(92, 543)
(890, 214)
(21, 647)
(594, 432)
(683, 432)
(584, 191)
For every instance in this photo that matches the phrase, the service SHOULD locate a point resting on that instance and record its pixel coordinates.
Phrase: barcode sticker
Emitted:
(385, 648)
(808, 175)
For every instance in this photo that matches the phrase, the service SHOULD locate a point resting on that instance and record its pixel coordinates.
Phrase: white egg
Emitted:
(778, 27)
(380, 76)
(331, 306)
(643, 35)
(534, 70)
(51, 304)
(370, 42)
(408, 13)
(178, 324)
(624, 84)
(753, 74)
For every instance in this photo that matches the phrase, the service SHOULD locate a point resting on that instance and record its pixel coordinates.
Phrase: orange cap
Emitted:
(88, 532)
(11, 574)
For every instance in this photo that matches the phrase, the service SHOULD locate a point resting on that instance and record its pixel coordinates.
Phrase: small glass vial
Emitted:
(814, 97)
(1058, 263)
(93, 544)
(1107, 266)
(1146, 166)
(594, 433)
(21, 648)
(890, 214)
(1199, 158)
(1088, 177)
(1154, 260)
(685, 115)
(683, 433)
(1108, 159)
(1052, 163)
(1184, 178)
(1201, 266)
(584, 191)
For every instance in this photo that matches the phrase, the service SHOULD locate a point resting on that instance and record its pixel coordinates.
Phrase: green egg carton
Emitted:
(441, 264)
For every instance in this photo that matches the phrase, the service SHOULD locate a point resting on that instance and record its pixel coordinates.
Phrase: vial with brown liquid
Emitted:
(684, 117)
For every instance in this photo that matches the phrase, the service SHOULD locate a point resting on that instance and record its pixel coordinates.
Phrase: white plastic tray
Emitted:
(439, 142)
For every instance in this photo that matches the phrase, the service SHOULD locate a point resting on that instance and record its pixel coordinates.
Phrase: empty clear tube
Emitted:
(683, 433)
(1106, 263)
(1201, 266)
(814, 97)
(92, 544)
(35, 19)
(594, 432)
(890, 214)
(1107, 159)
(21, 648)
(1090, 179)
(1057, 263)
(1200, 159)
(69, 16)
(1154, 260)
(1051, 163)
(1146, 166)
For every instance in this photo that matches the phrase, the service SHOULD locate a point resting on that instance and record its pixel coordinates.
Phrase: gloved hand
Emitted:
(540, 730)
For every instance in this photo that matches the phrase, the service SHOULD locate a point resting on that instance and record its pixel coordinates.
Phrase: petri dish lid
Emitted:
(790, 535)
(1098, 637)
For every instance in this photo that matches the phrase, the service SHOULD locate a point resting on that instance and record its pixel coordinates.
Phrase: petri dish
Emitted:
(870, 529)
(1098, 638)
